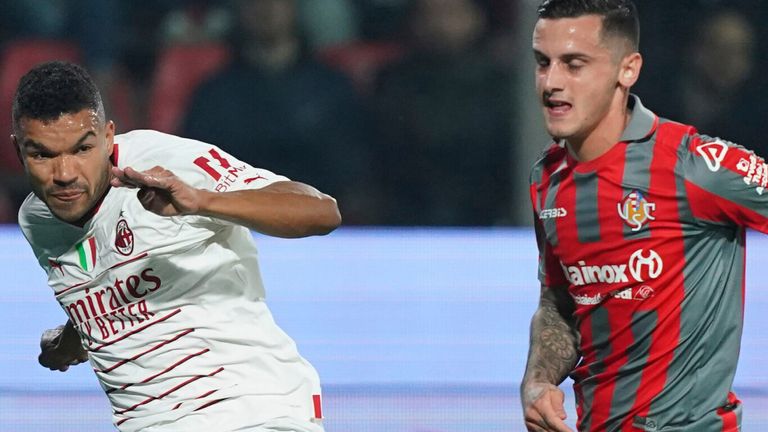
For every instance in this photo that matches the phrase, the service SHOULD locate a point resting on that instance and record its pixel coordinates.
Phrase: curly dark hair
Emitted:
(54, 88)
(619, 16)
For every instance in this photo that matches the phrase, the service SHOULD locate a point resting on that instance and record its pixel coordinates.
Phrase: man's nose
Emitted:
(554, 78)
(65, 170)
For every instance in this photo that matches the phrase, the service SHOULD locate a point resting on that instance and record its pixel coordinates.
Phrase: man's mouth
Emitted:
(68, 195)
(557, 106)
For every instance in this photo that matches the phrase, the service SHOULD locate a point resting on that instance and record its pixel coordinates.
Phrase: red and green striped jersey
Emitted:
(649, 241)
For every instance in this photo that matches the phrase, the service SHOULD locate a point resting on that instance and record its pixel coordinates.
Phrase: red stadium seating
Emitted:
(361, 61)
(180, 70)
(16, 59)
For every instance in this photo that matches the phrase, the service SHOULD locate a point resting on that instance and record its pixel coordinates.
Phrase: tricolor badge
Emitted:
(86, 252)
(635, 210)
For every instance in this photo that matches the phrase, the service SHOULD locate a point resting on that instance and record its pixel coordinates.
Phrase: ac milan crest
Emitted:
(123, 238)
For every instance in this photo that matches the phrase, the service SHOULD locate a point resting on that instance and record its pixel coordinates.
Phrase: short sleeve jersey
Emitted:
(170, 309)
(649, 241)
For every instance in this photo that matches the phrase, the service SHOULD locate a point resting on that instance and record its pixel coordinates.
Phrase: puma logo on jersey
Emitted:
(713, 153)
(253, 179)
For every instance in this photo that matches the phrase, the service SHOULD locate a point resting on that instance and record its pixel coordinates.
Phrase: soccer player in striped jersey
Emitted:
(145, 239)
(640, 225)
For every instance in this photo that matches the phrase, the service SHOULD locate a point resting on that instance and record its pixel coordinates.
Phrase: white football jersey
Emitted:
(171, 309)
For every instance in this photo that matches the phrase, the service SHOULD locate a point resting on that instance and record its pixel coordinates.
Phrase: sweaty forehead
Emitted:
(560, 36)
(65, 124)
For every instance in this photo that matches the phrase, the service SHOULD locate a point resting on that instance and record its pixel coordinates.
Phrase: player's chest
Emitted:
(121, 236)
(591, 215)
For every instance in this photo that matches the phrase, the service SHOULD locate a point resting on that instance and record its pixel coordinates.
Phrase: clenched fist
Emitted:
(60, 348)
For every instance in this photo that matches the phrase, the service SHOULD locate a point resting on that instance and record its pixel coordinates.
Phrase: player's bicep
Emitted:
(558, 297)
(726, 184)
(550, 272)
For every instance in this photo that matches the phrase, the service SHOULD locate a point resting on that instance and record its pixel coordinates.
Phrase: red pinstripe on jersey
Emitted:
(169, 391)
(135, 357)
(162, 372)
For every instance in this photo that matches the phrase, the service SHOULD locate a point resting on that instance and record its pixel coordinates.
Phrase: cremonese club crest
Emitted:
(635, 210)
(123, 238)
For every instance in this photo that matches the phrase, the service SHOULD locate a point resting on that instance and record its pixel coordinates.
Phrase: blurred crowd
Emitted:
(404, 110)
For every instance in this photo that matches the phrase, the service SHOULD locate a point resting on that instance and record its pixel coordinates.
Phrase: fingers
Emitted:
(156, 177)
(547, 413)
(54, 353)
(558, 403)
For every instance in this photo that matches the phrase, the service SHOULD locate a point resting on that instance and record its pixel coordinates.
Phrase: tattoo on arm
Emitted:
(554, 339)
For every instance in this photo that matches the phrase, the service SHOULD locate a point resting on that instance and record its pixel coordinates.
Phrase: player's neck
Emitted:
(604, 136)
(90, 213)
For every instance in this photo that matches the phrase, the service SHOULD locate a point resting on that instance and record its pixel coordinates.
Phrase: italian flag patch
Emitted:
(86, 251)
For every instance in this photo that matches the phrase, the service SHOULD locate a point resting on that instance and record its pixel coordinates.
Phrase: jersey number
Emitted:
(204, 163)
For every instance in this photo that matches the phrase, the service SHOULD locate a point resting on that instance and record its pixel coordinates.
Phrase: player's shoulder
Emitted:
(550, 157)
(143, 141)
(673, 133)
(146, 146)
(33, 211)
(36, 220)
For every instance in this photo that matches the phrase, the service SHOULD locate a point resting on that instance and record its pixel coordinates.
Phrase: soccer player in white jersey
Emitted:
(145, 239)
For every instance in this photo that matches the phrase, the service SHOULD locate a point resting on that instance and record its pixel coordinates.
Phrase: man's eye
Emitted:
(83, 149)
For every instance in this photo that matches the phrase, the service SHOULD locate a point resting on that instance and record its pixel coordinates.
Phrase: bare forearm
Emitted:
(553, 348)
(283, 209)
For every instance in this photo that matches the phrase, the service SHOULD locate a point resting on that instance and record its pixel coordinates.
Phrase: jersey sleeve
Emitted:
(726, 183)
(201, 165)
(550, 272)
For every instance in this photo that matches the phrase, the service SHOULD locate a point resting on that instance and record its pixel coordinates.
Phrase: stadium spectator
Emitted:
(444, 117)
(276, 105)
(719, 89)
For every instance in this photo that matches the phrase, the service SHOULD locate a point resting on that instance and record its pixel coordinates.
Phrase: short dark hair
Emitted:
(54, 88)
(619, 16)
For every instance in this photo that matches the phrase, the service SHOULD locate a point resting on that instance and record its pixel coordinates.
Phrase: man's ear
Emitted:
(110, 136)
(15, 142)
(629, 70)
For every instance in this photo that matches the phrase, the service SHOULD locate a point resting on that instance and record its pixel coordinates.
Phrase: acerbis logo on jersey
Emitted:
(635, 210)
(640, 266)
(713, 153)
(123, 238)
(553, 213)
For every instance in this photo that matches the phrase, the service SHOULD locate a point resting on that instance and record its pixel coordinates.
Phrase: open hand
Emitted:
(160, 191)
